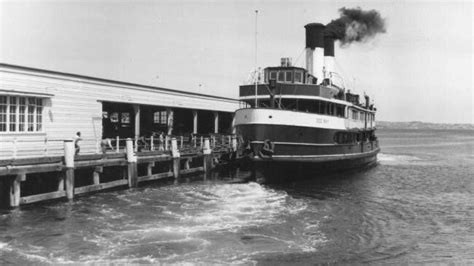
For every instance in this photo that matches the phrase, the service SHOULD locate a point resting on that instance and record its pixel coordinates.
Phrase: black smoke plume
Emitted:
(355, 25)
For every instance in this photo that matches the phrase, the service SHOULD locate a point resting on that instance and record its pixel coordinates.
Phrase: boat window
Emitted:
(281, 76)
(289, 76)
(273, 74)
(322, 107)
(340, 110)
(307, 106)
(354, 114)
(298, 77)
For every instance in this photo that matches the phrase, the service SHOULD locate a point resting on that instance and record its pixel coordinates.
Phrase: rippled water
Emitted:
(415, 206)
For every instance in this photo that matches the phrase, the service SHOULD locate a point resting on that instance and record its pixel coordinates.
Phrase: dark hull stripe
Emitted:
(285, 133)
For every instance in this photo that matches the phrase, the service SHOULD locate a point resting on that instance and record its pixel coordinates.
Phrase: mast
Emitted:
(256, 70)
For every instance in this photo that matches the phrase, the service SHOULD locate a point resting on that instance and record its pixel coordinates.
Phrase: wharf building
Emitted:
(40, 108)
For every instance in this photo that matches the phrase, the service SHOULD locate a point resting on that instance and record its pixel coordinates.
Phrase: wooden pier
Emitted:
(29, 180)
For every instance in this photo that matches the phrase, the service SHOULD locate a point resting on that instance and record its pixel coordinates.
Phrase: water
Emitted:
(415, 206)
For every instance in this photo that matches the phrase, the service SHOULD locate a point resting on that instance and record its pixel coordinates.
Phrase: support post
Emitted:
(96, 175)
(234, 143)
(117, 144)
(195, 121)
(136, 109)
(166, 143)
(216, 122)
(131, 165)
(15, 190)
(176, 157)
(160, 142)
(233, 124)
(69, 152)
(152, 144)
(207, 153)
(182, 139)
(170, 119)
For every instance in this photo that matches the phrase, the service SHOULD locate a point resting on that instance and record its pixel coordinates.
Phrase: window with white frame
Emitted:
(21, 114)
(160, 117)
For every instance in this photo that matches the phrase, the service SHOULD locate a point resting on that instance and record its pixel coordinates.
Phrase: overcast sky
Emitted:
(420, 70)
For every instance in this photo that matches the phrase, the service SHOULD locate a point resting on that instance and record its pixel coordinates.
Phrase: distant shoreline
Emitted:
(423, 125)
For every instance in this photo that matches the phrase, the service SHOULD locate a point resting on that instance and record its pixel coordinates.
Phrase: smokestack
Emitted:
(329, 62)
(315, 49)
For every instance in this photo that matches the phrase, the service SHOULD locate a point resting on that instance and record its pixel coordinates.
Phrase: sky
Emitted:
(421, 69)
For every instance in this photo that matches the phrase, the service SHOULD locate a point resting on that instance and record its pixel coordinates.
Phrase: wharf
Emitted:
(29, 180)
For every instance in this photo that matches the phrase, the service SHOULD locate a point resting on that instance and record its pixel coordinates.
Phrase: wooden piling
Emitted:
(96, 175)
(149, 169)
(207, 160)
(69, 183)
(69, 152)
(131, 164)
(62, 176)
(15, 190)
(176, 157)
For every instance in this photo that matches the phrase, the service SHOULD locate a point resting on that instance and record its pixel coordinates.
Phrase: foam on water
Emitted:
(214, 222)
(399, 159)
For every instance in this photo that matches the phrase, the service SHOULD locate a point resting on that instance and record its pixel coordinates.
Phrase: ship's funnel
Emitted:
(315, 49)
(329, 62)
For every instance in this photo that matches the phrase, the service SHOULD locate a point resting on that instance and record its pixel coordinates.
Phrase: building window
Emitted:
(160, 117)
(21, 114)
(3, 113)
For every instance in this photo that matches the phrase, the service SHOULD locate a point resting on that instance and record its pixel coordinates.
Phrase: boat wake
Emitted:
(399, 159)
(198, 222)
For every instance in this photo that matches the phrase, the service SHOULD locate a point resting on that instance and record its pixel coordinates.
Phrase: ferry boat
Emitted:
(305, 119)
